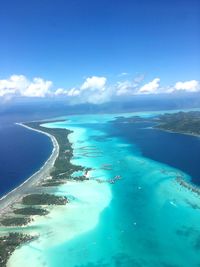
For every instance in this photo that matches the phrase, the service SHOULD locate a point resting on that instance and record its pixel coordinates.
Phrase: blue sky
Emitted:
(66, 42)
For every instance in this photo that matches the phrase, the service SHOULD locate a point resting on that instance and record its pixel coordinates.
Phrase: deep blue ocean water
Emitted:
(176, 150)
(22, 153)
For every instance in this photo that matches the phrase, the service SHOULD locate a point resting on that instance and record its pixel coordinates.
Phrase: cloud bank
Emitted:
(19, 85)
(94, 89)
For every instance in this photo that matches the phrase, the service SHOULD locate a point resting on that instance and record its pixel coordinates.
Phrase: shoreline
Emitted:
(175, 132)
(58, 219)
(16, 194)
(58, 162)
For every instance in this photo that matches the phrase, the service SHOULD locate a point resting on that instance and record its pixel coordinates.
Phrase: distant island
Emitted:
(180, 122)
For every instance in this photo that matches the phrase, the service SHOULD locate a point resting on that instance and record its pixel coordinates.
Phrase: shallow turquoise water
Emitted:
(150, 221)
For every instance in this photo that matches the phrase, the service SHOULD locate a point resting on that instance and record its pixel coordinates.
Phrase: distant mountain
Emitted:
(39, 108)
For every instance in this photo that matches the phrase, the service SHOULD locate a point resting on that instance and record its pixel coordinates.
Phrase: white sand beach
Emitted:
(16, 194)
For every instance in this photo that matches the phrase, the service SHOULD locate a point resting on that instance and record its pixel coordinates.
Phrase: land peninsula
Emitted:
(179, 122)
(33, 197)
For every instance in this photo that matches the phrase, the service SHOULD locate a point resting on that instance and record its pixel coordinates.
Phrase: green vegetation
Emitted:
(60, 173)
(181, 122)
(15, 221)
(31, 211)
(53, 182)
(44, 199)
(81, 178)
(9, 243)
(63, 168)
(195, 189)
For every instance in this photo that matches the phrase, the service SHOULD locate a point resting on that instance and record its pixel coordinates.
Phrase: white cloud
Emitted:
(60, 91)
(37, 88)
(189, 86)
(94, 83)
(73, 92)
(6, 91)
(124, 88)
(14, 85)
(94, 89)
(19, 85)
(67, 92)
(151, 87)
(129, 87)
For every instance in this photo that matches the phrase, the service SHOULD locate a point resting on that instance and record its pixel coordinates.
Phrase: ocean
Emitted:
(22, 153)
(144, 219)
(176, 150)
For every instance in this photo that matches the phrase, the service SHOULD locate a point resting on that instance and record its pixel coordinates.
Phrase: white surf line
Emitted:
(17, 192)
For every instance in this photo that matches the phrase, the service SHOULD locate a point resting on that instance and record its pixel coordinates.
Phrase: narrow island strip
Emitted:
(31, 198)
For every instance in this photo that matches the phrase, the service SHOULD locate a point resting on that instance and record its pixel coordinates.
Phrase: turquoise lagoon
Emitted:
(146, 219)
